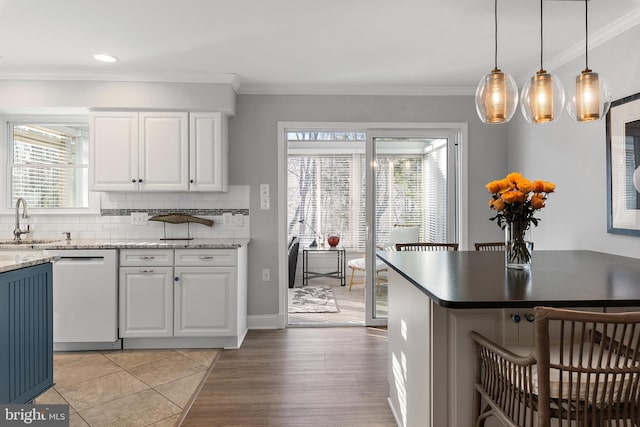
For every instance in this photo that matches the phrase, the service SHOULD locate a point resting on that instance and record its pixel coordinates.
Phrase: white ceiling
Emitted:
(299, 46)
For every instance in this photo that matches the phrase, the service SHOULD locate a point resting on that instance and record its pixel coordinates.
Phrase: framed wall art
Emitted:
(623, 166)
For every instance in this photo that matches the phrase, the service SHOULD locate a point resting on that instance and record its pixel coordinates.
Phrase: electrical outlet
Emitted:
(264, 190)
(226, 218)
(266, 275)
(139, 218)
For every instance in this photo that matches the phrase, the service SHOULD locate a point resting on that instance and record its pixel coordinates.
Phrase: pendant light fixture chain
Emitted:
(586, 35)
(541, 36)
(495, 34)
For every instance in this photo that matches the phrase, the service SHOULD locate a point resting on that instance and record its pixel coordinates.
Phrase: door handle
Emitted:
(146, 271)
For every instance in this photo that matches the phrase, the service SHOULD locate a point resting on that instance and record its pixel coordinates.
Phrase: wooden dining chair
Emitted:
(399, 233)
(425, 246)
(584, 370)
(490, 246)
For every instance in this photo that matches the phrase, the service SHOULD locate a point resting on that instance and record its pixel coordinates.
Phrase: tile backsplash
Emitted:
(114, 220)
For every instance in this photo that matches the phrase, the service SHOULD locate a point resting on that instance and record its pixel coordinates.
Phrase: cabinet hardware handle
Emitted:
(515, 318)
(140, 180)
(146, 271)
(133, 180)
(206, 257)
(530, 317)
(176, 279)
(147, 257)
(191, 181)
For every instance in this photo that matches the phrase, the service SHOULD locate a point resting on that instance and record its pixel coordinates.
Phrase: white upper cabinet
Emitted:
(113, 151)
(163, 151)
(158, 151)
(208, 155)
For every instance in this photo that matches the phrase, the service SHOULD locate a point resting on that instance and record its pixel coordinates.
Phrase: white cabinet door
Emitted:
(208, 152)
(205, 301)
(164, 151)
(146, 302)
(113, 153)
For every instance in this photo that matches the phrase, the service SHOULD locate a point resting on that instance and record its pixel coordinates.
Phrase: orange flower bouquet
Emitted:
(516, 200)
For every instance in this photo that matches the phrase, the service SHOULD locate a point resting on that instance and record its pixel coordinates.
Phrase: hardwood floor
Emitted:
(298, 377)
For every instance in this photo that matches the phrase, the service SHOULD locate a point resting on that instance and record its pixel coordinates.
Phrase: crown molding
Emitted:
(596, 39)
(229, 79)
(356, 90)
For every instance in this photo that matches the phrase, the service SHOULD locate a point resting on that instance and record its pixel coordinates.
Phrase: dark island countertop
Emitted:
(476, 279)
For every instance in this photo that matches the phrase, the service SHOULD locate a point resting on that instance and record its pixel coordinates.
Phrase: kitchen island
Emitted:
(26, 325)
(437, 298)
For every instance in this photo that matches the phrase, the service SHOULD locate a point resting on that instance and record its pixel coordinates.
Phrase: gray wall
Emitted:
(573, 156)
(254, 150)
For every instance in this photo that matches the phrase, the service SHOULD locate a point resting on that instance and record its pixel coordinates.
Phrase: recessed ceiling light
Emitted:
(103, 57)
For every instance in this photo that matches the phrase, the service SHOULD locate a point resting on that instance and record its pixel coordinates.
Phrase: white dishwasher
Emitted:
(85, 296)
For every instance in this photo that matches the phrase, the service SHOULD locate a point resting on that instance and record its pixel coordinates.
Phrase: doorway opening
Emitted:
(343, 191)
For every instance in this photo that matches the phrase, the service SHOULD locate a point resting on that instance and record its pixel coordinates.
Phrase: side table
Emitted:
(340, 254)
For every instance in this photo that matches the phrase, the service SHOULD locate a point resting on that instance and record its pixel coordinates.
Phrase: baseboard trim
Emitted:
(263, 321)
(180, 342)
(87, 346)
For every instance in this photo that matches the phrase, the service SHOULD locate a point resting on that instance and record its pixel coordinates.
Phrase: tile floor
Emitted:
(127, 387)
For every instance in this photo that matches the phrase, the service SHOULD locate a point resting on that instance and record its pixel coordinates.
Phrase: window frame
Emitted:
(5, 156)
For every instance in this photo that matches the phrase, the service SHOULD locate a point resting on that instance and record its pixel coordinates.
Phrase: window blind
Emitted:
(435, 203)
(49, 167)
(327, 191)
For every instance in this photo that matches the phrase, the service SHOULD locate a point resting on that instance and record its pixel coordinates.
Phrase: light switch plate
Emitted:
(265, 203)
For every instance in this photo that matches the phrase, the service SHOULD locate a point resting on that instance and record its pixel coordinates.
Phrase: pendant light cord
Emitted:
(586, 35)
(495, 35)
(541, 39)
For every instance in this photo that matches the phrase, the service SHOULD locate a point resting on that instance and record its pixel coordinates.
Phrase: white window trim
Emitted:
(94, 197)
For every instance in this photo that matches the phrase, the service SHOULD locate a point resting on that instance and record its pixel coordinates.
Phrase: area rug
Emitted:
(312, 299)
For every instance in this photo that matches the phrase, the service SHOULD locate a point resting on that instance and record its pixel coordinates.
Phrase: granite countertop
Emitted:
(15, 259)
(128, 244)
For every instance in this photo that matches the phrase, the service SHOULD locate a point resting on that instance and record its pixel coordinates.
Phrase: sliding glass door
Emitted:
(410, 195)
(367, 186)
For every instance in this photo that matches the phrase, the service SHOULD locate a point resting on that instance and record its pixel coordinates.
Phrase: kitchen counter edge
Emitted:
(132, 244)
(17, 259)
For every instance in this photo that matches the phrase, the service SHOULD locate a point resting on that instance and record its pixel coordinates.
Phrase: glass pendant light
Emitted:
(497, 92)
(543, 95)
(590, 99)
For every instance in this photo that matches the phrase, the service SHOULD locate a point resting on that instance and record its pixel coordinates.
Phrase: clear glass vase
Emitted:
(517, 253)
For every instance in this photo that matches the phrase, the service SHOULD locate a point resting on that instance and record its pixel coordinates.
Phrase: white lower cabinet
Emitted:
(146, 302)
(186, 293)
(204, 301)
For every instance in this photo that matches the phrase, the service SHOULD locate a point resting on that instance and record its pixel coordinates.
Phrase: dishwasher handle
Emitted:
(81, 258)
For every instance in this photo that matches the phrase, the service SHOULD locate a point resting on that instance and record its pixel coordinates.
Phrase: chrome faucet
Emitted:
(25, 214)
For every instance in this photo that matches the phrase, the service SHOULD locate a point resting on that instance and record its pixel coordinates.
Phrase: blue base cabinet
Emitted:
(26, 333)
